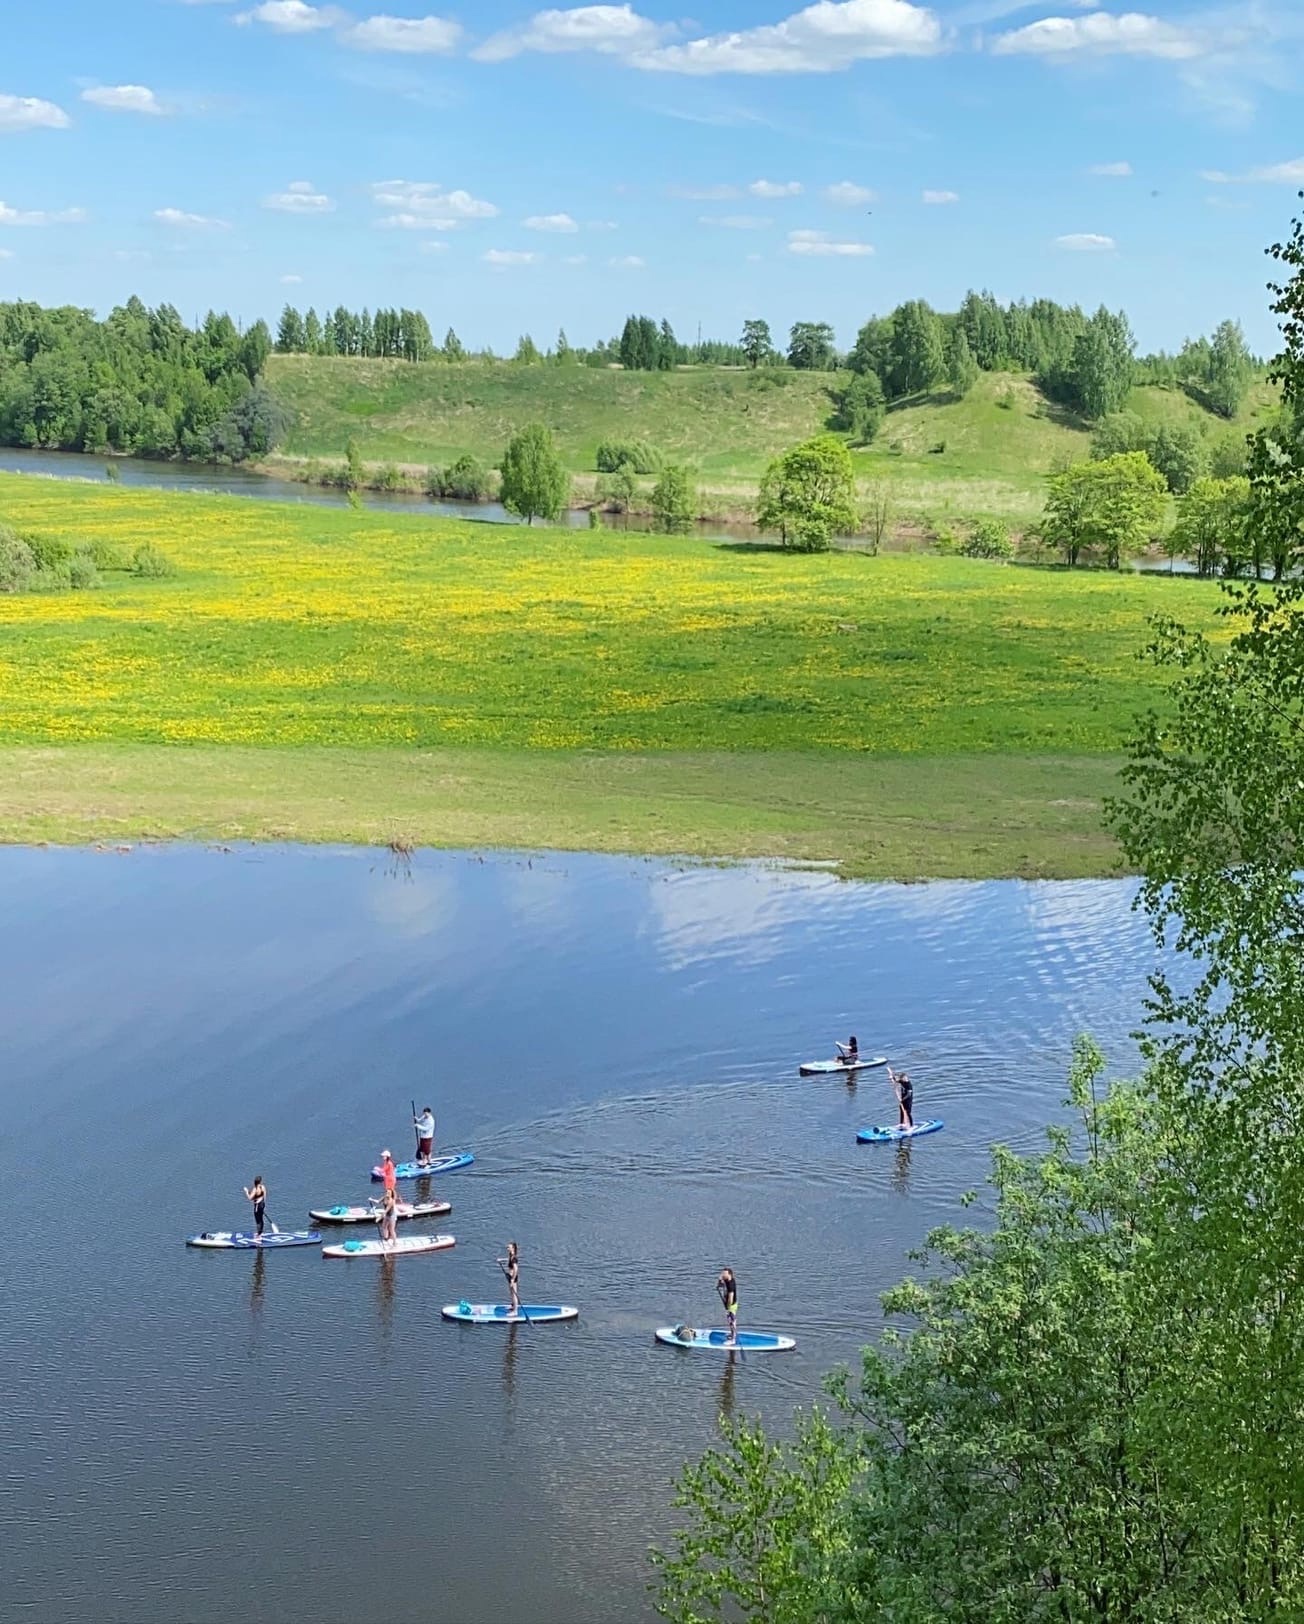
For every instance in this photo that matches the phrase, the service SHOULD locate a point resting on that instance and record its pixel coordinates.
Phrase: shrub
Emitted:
(17, 566)
(56, 579)
(947, 542)
(49, 552)
(620, 489)
(104, 555)
(149, 562)
(643, 458)
(467, 480)
(988, 539)
(595, 519)
(388, 478)
(82, 573)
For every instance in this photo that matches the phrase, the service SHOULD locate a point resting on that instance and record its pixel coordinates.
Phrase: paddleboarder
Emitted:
(425, 1127)
(258, 1195)
(905, 1093)
(511, 1267)
(849, 1052)
(388, 1218)
(387, 1172)
(727, 1291)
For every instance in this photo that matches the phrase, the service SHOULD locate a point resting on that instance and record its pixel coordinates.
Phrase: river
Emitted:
(220, 1436)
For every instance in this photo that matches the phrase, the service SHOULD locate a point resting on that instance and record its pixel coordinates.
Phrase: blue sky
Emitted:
(510, 169)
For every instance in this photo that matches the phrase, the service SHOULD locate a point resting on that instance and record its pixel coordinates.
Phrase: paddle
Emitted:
(415, 1129)
(520, 1309)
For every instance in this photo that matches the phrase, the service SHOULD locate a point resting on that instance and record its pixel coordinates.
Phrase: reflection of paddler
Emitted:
(905, 1093)
(727, 1290)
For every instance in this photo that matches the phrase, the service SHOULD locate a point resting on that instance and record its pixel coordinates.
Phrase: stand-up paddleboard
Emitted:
(228, 1241)
(502, 1314)
(683, 1336)
(880, 1136)
(437, 1164)
(371, 1214)
(404, 1246)
(824, 1068)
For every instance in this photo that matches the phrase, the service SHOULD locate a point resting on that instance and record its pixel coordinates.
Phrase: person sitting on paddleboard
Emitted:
(511, 1267)
(258, 1195)
(849, 1052)
(387, 1171)
(388, 1218)
(425, 1126)
(727, 1288)
(905, 1093)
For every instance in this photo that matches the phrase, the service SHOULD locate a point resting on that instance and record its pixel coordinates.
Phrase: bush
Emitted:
(82, 573)
(17, 566)
(104, 555)
(466, 480)
(988, 539)
(620, 489)
(49, 552)
(56, 579)
(946, 542)
(643, 458)
(1007, 400)
(149, 562)
(388, 478)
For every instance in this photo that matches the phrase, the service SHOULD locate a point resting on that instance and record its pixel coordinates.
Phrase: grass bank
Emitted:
(341, 675)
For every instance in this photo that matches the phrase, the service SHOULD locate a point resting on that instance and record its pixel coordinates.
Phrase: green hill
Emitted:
(947, 460)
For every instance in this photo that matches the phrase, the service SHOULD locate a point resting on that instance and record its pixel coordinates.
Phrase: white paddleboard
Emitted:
(824, 1068)
(225, 1240)
(501, 1313)
(681, 1336)
(404, 1246)
(369, 1215)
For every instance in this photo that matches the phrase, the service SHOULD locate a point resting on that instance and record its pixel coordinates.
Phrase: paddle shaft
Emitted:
(415, 1129)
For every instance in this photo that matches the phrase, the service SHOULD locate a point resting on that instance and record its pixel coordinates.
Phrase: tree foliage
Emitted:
(808, 495)
(533, 483)
(861, 407)
(674, 500)
(811, 347)
(757, 345)
(1109, 509)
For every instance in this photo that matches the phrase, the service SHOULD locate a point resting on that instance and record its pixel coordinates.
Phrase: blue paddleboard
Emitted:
(223, 1240)
(680, 1336)
(437, 1164)
(501, 1313)
(881, 1136)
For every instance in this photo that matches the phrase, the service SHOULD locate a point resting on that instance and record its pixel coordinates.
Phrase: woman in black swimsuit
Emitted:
(258, 1195)
(511, 1267)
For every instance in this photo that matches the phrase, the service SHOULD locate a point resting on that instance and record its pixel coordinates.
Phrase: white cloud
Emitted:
(775, 188)
(1121, 169)
(940, 197)
(846, 194)
(413, 36)
(602, 225)
(428, 201)
(1086, 242)
(291, 279)
(291, 16)
(820, 244)
(703, 194)
(550, 222)
(185, 221)
(502, 257)
(7, 253)
(1290, 173)
(417, 222)
(608, 30)
(125, 99)
(1101, 34)
(824, 38)
(300, 197)
(736, 222)
(40, 217)
(627, 262)
(30, 113)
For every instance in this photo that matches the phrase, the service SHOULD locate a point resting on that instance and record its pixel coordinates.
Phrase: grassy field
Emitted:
(985, 456)
(360, 675)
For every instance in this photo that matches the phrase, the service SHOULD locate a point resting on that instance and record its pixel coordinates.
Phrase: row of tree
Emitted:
(1088, 1407)
(139, 381)
(402, 335)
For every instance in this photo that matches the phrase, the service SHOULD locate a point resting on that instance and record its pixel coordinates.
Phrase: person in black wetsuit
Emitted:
(727, 1290)
(905, 1093)
(849, 1052)
(258, 1195)
(511, 1267)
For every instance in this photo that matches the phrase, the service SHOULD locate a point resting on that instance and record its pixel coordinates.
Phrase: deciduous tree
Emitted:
(534, 484)
(808, 495)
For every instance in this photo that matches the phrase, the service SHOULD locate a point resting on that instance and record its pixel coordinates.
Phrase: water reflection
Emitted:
(509, 1365)
(257, 1291)
(386, 1279)
(728, 1388)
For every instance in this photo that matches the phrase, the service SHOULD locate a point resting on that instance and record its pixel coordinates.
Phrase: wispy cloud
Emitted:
(847, 194)
(1102, 34)
(183, 220)
(125, 99)
(550, 222)
(411, 36)
(1086, 242)
(819, 244)
(736, 222)
(300, 197)
(775, 188)
(1290, 173)
(291, 279)
(40, 217)
(420, 205)
(607, 30)
(704, 194)
(292, 16)
(31, 113)
(627, 262)
(1120, 170)
(938, 198)
(501, 258)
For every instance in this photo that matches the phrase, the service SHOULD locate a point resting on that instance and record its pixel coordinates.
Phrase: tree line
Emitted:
(1086, 1407)
(139, 381)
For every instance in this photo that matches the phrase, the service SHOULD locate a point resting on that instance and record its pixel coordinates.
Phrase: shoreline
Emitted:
(904, 819)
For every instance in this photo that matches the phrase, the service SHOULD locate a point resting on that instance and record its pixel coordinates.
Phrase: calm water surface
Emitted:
(206, 1437)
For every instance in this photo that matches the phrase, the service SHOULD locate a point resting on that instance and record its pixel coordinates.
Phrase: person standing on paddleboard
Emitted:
(387, 1171)
(727, 1290)
(905, 1093)
(388, 1218)
(258, 1195)
(511, 1267)
(425, 1126)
